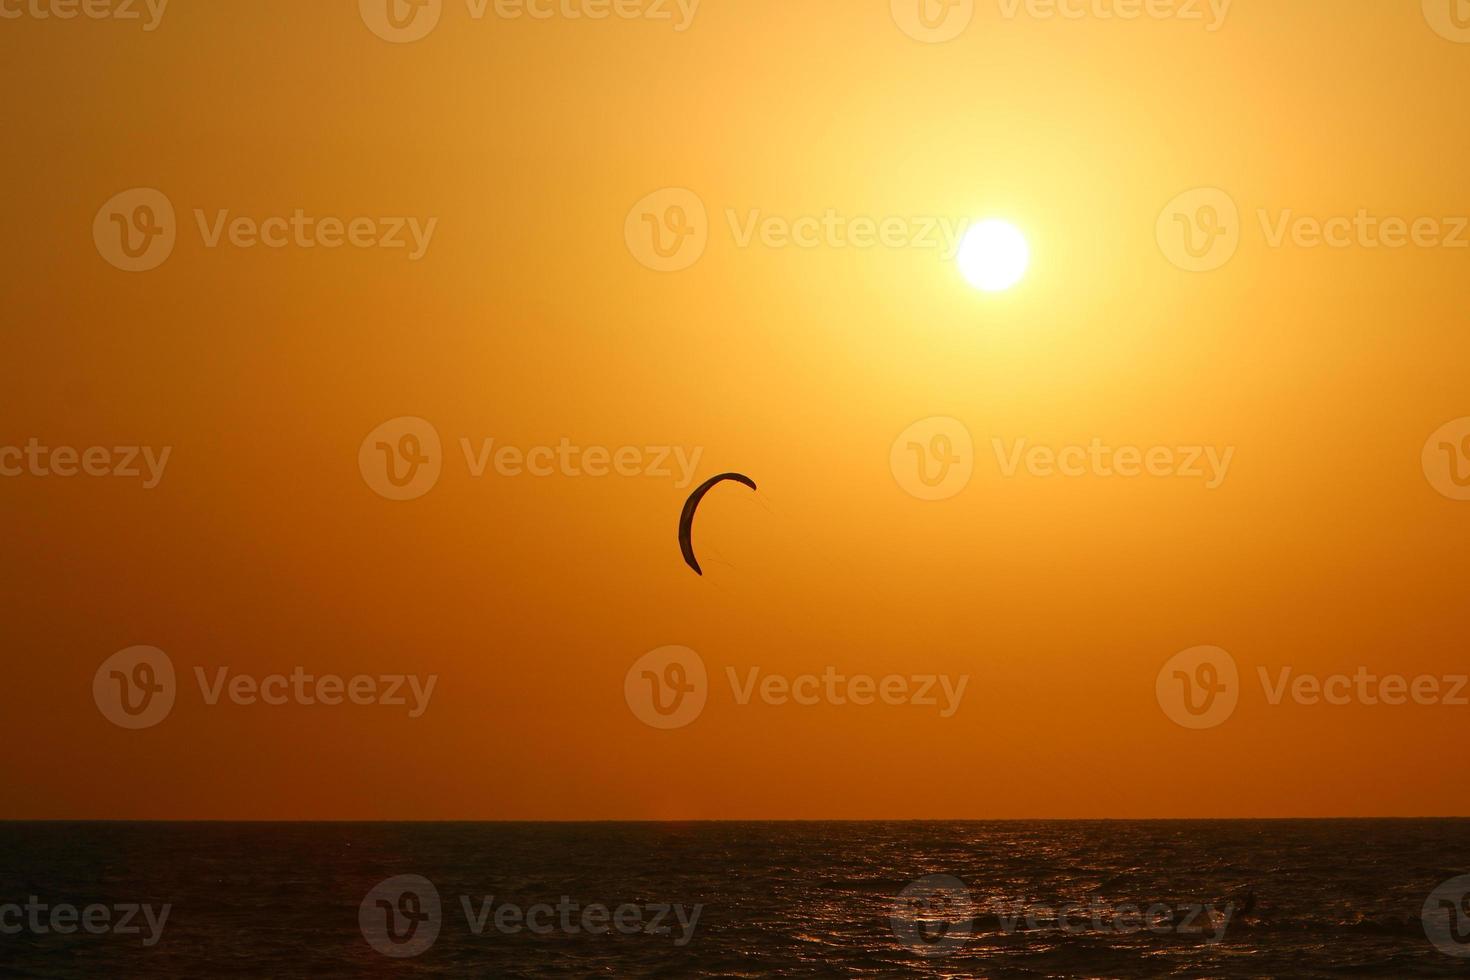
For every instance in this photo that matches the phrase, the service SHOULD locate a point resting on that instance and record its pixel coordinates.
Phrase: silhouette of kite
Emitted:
(686, 520)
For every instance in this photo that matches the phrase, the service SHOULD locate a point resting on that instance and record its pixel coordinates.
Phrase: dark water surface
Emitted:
(1228, 899)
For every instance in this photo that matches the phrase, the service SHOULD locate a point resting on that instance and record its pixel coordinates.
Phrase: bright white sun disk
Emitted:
(993, 256)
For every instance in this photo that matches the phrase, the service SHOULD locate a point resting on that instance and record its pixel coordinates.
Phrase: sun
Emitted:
(993, 255)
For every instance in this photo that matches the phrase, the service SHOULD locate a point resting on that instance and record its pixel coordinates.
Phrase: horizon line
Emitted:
(701, 820)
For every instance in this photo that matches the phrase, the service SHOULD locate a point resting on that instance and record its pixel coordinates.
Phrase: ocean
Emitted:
(1331, 898)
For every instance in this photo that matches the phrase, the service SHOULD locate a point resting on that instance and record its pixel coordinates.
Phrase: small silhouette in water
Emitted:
(1245, 903)
(1237, 909)
(686, 519)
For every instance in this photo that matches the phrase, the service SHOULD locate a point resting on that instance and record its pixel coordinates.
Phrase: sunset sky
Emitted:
(530, 319)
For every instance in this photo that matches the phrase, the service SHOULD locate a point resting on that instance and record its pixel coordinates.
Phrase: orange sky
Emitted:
(529, 320)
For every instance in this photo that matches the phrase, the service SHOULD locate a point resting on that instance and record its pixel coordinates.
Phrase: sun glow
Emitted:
(993, 256)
